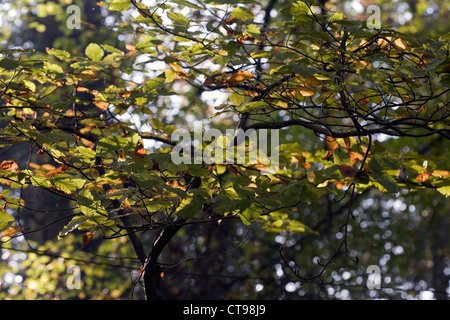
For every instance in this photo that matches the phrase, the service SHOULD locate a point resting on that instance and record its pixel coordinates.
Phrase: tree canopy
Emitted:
(91, 97)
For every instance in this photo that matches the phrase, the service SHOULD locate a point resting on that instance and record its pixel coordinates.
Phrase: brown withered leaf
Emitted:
(348, 171)
(209, 81)
(312, 81)
(240, 76)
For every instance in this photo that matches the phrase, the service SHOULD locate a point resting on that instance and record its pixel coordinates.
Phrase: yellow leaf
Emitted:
(222, 52)
(130, 47)
(311, 176)
(400, 44)
(441, 173)
(304, 91)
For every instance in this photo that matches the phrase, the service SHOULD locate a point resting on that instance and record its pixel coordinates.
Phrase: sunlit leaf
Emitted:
(94, 52)
(242, 13)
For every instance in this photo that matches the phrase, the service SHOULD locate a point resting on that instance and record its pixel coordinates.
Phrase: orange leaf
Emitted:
(240, 76)
(101, 105)
(353, 156)
(348, 171)
(304, 91)
(332, 143)
(130, 47)
(348, 145)
(9, 165)
(423, 177)
(83, 89)
(139, 151)
(126, 204)
(11, 231)
(87, 237)
(230, 20)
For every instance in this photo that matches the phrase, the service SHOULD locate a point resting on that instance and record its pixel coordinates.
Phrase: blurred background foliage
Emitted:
(406, 235)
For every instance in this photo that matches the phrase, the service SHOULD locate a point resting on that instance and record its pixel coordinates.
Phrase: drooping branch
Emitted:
(151, 269)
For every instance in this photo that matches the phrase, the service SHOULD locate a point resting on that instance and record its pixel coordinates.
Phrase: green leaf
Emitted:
(71, 226)
(445, 190)
(263, 182)
(170, 75)
(178, 18)
(112, 143)
(67, 183)
(242, 13)
(40, 181)
(250, 214)
(378, 163)
(253, 29)
(5, 217)
(387, 181)
(94, 52)
(90, 204)
(302, 70)
(253, 106)
(309, 192)
(60, 54)
(337, 16)
(197, 170)
(8, 64)
(189, 208)
(301, 8)
(119, 5)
